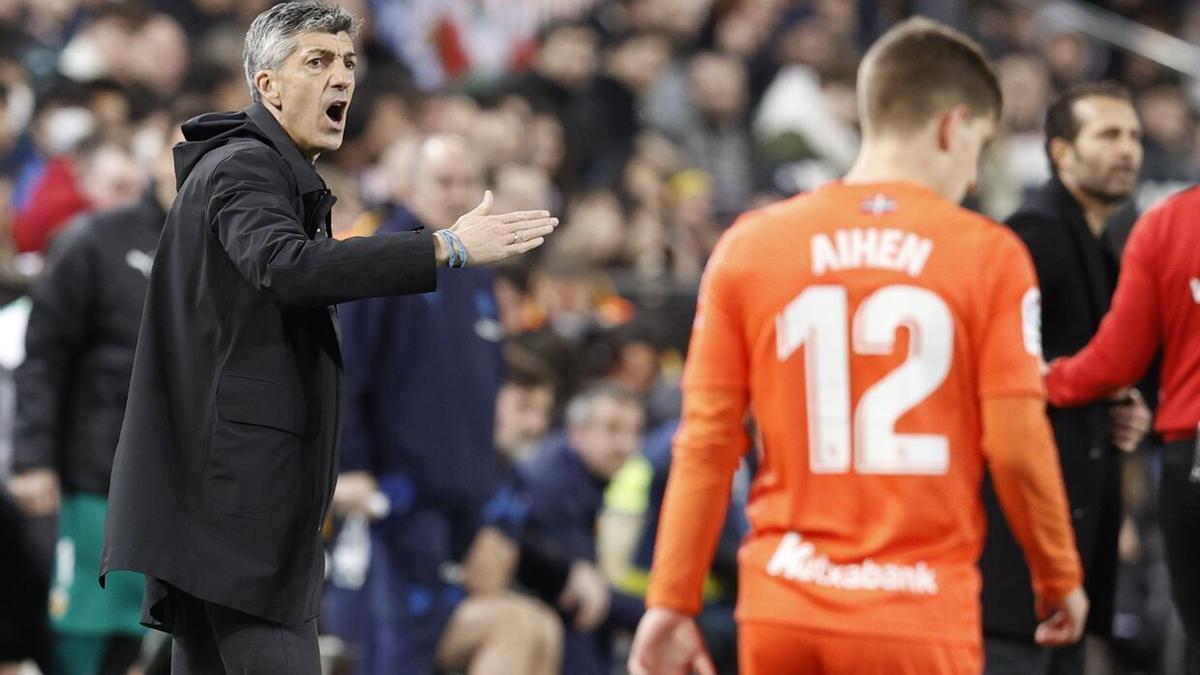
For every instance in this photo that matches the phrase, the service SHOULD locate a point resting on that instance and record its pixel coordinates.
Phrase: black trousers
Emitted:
(214, 640)
(1005, 656)
(1179, 512)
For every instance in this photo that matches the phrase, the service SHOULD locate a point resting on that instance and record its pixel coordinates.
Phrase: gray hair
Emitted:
(272, 35)
(579, 410)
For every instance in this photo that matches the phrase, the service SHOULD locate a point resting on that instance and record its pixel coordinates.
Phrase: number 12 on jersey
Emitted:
(817, 320)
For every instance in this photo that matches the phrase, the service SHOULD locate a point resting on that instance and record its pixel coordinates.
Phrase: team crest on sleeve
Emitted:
(1031, 321)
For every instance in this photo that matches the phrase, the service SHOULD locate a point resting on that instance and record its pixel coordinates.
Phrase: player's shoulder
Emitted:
(1186, 201)
(760, 226)
(983, 233)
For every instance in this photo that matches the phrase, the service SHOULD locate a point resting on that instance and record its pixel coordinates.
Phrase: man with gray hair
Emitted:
(228, 452)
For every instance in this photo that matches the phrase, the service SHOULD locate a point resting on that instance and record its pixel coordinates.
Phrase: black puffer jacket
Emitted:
(83, 327)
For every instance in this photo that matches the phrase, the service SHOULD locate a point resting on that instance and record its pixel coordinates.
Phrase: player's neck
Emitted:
(889, 161)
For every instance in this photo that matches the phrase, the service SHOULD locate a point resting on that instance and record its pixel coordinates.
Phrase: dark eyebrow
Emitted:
(326, 53)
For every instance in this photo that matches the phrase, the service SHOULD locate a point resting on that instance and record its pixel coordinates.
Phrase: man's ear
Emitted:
(1059, 147)
(950, 124)
(268, 87)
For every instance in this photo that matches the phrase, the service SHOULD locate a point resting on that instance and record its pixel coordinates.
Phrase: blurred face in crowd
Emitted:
(497, 136)
(1068, 56)
(1167, 116)
(1025, 84)
(639, 61)
(1104, 159)
(396, 166)
(310, 92)
(522, 417)
(568, 56)
(522, 187)
(595, 229)
(718, 86)
(162, 54)
(447, 181)
(609, 435)
(112, 178)
(637, 366)
(545, 143)
(111, 111)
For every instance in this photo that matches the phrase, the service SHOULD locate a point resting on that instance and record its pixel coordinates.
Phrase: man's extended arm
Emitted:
(1121, 350)
(257, 226)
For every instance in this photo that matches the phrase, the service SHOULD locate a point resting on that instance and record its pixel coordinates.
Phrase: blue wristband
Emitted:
(460, 249)
(448, 242)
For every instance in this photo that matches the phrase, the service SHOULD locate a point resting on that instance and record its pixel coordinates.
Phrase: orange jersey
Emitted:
(863, 324)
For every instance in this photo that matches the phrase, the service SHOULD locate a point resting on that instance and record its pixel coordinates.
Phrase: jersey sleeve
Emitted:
(1025, 470)
(718, 357)
(708, 446)
(1128, 336)
(1009, 337)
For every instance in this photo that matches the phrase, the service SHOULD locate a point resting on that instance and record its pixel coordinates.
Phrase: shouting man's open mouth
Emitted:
(336, 112)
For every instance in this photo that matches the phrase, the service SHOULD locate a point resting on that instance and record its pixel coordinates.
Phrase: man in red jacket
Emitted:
(1156, 304)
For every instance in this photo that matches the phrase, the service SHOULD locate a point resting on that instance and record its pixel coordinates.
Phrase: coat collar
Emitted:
(1091, 251)
(306, 174)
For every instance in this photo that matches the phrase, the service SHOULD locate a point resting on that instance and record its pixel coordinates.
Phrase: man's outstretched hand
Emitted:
(490, 238)
(668, 643)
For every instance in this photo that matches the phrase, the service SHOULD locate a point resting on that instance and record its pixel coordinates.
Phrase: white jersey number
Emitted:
(817, 320)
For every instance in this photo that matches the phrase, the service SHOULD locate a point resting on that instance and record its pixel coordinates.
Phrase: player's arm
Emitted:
(1128, 337)
(1024, 465)
(708, 447)
(1017, 439)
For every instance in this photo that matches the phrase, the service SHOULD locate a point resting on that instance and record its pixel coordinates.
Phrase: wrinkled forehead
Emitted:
(339, 45)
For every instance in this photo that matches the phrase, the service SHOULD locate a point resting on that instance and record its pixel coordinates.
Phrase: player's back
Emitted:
(866, 312)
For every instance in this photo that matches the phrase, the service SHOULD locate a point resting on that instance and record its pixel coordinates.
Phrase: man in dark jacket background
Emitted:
(1093, 142)
(228, 452)
(565, 486)
(72, 388)
(422, 375)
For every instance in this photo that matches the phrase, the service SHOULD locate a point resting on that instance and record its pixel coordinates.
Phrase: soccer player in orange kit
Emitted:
(887, 342)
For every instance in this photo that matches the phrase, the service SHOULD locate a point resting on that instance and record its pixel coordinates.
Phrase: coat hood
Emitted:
(209, 131)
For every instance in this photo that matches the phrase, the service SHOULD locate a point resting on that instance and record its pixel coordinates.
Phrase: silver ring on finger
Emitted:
(516, 238)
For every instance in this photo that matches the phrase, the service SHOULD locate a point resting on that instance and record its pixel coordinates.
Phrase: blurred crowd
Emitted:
(645, 125)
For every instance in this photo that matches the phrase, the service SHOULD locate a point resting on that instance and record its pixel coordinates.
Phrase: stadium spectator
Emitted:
(72, 389)
(604, 121)
(1094, 146)
(524, 404)
(422, 376)
(565, 485)
(632, 506)
(562, 68)
(715, 134)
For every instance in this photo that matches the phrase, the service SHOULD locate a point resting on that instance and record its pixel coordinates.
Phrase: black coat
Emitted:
(1077, 273)
(228, 453)
(82, 330)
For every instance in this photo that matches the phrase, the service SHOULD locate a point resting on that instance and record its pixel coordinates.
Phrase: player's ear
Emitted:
(951, 124)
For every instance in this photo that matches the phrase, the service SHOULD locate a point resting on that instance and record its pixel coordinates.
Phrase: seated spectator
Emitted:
(422, 375)
(630, 527)
(565, 485)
